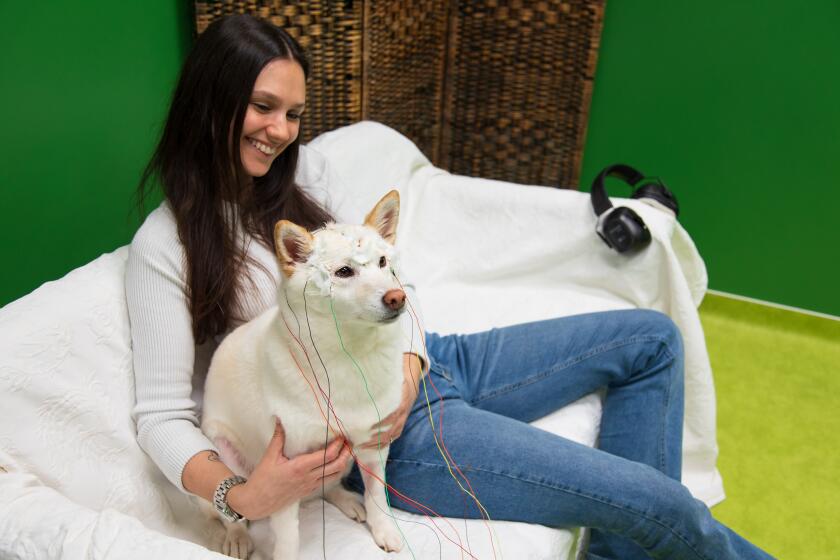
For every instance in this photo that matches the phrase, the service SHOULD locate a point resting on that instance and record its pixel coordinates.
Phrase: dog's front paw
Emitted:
(347, 502)
(387, 537)
(353, 509)
(237, 542)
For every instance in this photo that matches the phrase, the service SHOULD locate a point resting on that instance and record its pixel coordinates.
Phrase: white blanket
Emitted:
(482, 254)
(488, 253)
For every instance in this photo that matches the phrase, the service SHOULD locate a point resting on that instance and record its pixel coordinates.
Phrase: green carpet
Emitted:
(777, 377)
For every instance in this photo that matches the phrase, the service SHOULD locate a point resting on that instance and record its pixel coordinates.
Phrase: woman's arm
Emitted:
(393, 424)
(275, 482)
(164, 352)
(163, 347)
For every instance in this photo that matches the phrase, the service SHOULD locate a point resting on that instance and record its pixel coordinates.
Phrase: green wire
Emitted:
(449, 467)
(379, 432)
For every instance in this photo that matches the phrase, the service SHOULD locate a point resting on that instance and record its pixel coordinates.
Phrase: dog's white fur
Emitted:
(253, 375)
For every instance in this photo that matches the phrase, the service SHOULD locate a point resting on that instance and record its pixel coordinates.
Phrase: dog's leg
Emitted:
(230, 539)
(379, 519)
(216, 531)
(285, 526)
(347, 501)
(237, 542)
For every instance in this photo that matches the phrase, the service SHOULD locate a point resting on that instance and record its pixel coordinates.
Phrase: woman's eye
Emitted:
(261, 107)
(293, 116)
(344, 272)
(382, 262)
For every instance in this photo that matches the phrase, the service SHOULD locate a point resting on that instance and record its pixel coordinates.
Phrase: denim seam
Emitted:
(662, 421)
(599, 499)
(576, 360)
(664, 424)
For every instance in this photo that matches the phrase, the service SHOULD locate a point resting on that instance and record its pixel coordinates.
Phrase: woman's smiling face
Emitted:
(272, 120)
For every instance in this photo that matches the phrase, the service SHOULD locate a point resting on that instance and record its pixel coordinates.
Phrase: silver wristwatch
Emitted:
(220, 499)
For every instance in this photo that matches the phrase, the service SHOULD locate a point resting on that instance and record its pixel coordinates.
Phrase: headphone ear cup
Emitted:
(659, 193)
(622, 229)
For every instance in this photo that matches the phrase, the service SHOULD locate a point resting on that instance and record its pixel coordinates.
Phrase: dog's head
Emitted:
(346, 269)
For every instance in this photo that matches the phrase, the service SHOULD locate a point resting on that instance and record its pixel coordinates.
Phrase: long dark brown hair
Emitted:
(200, 168)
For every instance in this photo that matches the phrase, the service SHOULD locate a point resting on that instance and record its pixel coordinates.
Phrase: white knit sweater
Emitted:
(169, 368)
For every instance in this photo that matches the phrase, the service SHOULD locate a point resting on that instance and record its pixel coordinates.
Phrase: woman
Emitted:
(203, 262)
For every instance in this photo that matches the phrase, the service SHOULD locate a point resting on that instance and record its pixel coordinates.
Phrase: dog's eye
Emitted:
(344, 272)
(382, 262)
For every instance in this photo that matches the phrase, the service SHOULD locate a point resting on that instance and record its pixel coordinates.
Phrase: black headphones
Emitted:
(620, 227)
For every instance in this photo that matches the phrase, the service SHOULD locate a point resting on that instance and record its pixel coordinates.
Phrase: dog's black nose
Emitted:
(394, 299)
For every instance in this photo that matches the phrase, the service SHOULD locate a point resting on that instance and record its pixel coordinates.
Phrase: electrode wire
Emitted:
(447, 457)
(326, 442)
(340, 431)
(417, 394)
(327, 430)
(379, 420)
(449, 461)
(402, 497)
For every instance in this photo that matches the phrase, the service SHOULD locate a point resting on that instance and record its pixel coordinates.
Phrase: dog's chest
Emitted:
(352, 394)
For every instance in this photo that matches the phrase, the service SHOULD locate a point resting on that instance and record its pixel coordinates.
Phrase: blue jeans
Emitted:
(628, 492)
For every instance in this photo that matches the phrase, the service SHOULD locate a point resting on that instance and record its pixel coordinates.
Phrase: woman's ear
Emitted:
(293, 243)
(385, 216)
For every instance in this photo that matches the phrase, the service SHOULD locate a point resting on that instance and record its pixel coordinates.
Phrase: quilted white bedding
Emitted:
(74, 483)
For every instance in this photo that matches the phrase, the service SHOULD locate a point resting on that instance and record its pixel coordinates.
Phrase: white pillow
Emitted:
(66, 395)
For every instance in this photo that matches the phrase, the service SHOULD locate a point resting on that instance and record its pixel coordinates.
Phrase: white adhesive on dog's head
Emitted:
(352, 243)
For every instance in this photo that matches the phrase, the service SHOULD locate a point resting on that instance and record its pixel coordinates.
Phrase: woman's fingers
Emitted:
(276, 443)
(334, 468)
(384, 439)
(388, 420)
(316, 459)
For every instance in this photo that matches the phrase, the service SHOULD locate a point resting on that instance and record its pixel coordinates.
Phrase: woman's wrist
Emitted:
(414, 365)
(203, 473)
(237, 500)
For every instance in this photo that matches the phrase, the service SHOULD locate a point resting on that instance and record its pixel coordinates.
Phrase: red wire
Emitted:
(481, 509)
(405, 499)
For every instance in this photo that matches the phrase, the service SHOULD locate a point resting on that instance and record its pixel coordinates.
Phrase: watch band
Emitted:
(220, 499)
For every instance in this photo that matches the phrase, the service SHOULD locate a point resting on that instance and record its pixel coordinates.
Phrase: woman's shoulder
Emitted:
(159, 226)
(157, 238)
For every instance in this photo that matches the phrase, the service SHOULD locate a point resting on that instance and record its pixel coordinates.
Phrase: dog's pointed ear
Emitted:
(385, 216)
(293, 243)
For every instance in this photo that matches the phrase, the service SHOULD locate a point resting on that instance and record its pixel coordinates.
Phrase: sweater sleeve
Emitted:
(320, 180)
(163, 347)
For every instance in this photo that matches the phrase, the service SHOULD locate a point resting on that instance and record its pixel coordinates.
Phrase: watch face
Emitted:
(230, 515)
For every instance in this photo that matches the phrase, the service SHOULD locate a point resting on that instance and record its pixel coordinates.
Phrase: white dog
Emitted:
(338, 282)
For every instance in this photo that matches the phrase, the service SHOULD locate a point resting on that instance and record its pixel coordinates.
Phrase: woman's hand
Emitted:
(395, 422)
(278, 481)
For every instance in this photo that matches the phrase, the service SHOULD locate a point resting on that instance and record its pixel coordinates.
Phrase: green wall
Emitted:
(85, 86)
(735, 104)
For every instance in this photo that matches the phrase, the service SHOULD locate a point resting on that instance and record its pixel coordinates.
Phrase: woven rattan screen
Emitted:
(493, 88)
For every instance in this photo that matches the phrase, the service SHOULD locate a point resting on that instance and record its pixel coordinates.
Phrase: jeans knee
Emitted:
(660, 325)
(684, 521)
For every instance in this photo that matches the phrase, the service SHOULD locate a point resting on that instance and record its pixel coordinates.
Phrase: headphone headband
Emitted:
(600, 201)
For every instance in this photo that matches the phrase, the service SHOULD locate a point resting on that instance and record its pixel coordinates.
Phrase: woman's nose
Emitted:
(278, 131)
